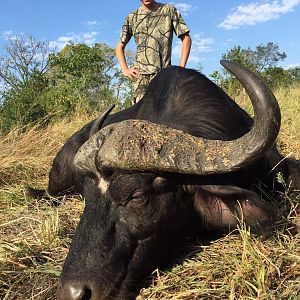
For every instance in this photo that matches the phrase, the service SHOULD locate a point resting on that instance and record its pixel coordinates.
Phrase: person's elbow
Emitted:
(120, 47)
(186, 40)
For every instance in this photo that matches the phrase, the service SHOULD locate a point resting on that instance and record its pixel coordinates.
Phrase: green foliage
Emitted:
(262, 60)
(78, 61)
(83, 73)
(294, 74)
(22, 106)
(22, 77)
(37, 84)
(263, 57)
(92, 72)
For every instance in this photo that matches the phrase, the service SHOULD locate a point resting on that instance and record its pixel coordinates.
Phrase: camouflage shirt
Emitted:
(153, 34)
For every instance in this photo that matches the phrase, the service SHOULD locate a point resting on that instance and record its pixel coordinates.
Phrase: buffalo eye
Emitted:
(137, 198)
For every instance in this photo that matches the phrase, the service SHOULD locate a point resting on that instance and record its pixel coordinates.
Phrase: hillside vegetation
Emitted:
(35, 236)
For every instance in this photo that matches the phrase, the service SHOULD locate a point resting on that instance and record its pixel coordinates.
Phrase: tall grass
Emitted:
(289, 137)
(35, 236)
(26, 153)
(289, 102)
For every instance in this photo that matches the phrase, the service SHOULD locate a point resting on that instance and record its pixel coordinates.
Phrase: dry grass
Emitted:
(26, 154)
(238, 266)
(34, 240)
(289, 102)
(289, 138)
(34, 237)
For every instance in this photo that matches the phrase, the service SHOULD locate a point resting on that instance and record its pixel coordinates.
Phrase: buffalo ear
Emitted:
(105, 172)
(222, 208)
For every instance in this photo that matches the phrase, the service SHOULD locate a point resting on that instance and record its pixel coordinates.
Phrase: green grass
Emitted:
(34, 236)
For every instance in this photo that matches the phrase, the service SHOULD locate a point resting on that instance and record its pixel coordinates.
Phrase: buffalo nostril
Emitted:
(74, 291)
(80, 293)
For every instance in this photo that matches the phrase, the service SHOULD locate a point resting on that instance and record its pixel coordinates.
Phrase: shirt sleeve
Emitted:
(126, 32)
(179, 24)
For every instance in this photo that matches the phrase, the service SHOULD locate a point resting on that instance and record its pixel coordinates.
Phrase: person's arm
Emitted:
(185, 50)
(131, 73)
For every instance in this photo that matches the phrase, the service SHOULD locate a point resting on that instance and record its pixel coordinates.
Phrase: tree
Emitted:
(267, 56)
(22, 78)
(36, 83)
(294, 74)
(262, 61)
(92, 71)
(25, 57)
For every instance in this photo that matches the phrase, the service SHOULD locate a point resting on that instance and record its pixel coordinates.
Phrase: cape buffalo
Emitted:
(182, 162)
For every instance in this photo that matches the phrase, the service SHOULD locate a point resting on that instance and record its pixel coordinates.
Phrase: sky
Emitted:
(216, 26)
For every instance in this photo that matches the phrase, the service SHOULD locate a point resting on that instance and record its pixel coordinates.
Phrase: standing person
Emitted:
(152, 26)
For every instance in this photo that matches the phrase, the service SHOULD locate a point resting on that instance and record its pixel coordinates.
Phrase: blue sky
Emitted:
(216, 26)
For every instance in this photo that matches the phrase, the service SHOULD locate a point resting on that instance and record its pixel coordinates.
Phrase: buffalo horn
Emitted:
(144, 146)
(99, 121)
